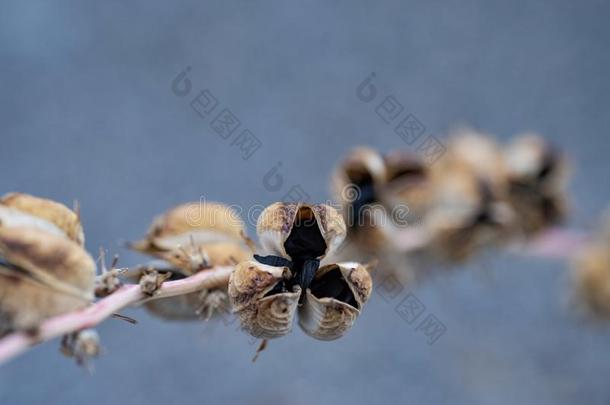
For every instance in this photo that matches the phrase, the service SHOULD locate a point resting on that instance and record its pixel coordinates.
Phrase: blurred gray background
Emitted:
(87, 112)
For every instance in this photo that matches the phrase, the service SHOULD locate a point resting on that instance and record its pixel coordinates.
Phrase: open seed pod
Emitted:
(185, 233)
(334, 300)
(469, 208)
(294, 230)
(537, 180)
(356, 184)
(41, 275)
(259, 296)
(17, 209)
(407, 184)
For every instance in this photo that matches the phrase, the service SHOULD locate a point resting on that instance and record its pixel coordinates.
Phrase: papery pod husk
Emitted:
(537, 183)
(261, 315)
(328, 317)
(469, 210)
(592, 278)
(477, 151)
(42, 275)
(456, 232)
(530, 158)
(57, 215)
(408, 185)
(362, 164)
(276, 222)
(194, 223)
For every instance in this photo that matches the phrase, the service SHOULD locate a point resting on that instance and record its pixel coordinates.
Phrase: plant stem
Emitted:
(16, 343)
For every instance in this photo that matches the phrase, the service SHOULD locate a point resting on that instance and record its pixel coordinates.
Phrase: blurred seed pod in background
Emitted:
(41, 275)
(355, 186)
(190, 238)
(18, 209)
(591, 272)
(264, 302)
(407, 185)
(469, 208)
(379, 197)
(537, 183)
(333, 301)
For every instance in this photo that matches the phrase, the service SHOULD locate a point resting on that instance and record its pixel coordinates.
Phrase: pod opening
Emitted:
(332, 284)
(365, 194)
(305, 240)
(549, 163)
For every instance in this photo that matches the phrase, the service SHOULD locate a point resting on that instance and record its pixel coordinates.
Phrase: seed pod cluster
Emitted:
(268, 292)
(44, 270)
(189, 238)
(477, 194)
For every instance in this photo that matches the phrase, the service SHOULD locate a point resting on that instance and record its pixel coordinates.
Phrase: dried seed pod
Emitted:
(334, 300)
(293, 230)
(196, 223)
(537, 180)
(41, 275)
(358, 177)
(190, 238)
(186, 237)
(259, 295)
(408, 190)
(407, 181)
(356, 183)
(17, 209)
(592, 278)
(469, 208)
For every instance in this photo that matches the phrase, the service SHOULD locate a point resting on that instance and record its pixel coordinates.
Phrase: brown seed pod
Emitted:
(407, 194)
(41, 275)
(257, 293)
(186, 234)
(191, 238)
(334, 300)
(537, 180)
(592, 278)
(17, 209)
(469, 208)
(192, 223)
(356, 183)
(287, 229)
(362, 168)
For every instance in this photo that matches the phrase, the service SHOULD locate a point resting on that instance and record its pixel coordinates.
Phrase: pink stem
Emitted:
(19, 342)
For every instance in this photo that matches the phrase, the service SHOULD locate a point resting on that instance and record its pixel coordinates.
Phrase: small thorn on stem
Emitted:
(125, 318)
(260, 349)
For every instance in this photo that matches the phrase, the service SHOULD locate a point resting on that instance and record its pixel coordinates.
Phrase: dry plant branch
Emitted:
(555, 244)
(19, 342)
